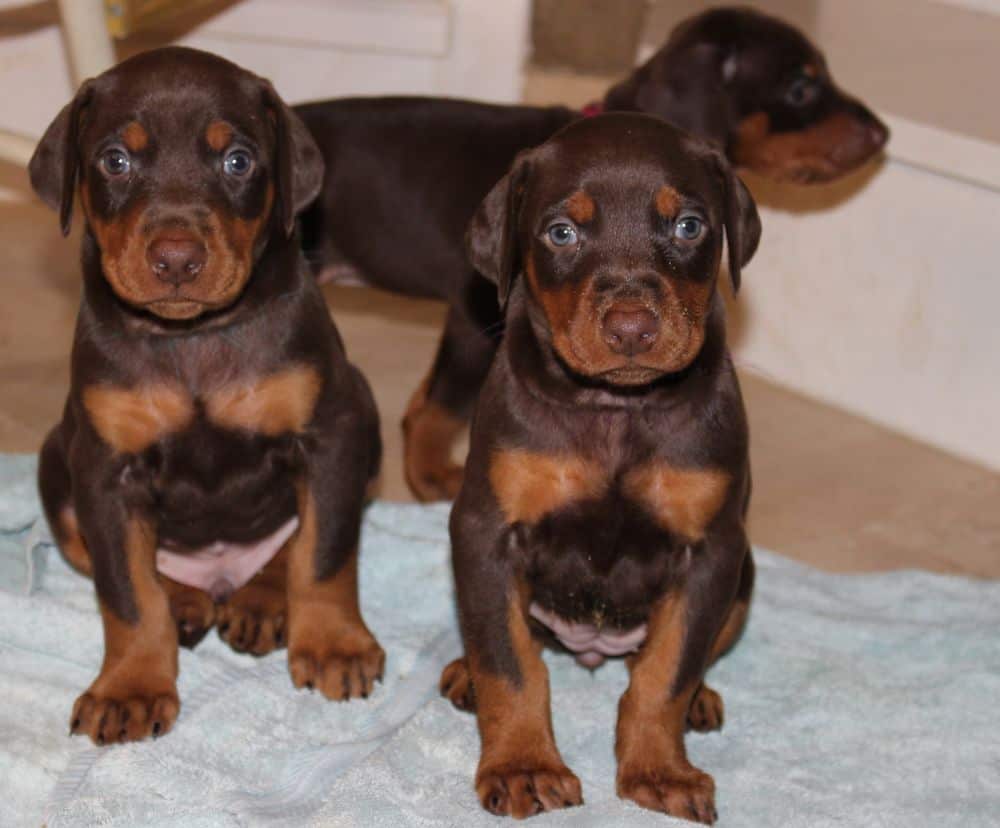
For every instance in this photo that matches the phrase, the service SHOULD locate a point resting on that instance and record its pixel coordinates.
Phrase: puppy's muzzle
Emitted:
(630, 331)
(176, 259)
(866, 137)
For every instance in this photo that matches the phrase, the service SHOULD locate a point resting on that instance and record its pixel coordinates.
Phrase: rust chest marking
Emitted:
(529, 485)
(130, 420)
(683, 501)
(279, 403)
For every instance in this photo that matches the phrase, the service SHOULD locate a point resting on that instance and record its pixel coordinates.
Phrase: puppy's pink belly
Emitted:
(590, 643)
(223, 567)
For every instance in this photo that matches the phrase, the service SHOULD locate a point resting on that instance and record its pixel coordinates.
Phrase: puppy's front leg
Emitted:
(653, 768)
(135, 694)
(329, 645)
(520, 770)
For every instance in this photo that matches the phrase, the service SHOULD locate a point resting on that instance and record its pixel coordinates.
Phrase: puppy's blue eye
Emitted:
(688, 228)
(115, 163)
(562, 234)
(237, 163)
(802, 90)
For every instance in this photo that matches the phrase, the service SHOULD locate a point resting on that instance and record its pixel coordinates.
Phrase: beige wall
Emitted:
(310, 49)
(930, 61)
(880, 294)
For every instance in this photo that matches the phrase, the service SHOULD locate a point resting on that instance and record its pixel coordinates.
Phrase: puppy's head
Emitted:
(185, 164)
(617, 224)
(758, 87)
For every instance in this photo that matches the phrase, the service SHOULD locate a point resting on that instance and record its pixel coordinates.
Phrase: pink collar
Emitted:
(223, 567)
(590, 643)
(592, 109)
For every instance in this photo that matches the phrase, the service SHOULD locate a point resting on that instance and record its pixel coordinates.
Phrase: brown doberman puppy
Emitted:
(404, 176)
(214, 452)
(607, 483)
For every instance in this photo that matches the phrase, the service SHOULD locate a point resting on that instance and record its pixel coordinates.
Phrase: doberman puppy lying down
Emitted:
(404, 175)
(607, 483)
(214, 453)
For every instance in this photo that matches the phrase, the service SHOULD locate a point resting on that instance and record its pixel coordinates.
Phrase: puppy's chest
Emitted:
(616, 472)
(172, 406)
(602, 533)
(212, 450)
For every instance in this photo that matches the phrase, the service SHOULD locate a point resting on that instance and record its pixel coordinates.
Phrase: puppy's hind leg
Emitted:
(55, 488)
(707, 711)
(440, 409)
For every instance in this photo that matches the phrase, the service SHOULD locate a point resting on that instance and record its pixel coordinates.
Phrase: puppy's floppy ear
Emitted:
(684, 86)
(742, 221)
(299, 163)
(55, 163)
(491, 239)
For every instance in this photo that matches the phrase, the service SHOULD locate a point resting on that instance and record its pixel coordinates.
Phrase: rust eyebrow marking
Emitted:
(132, 419)
(668, 201)
(529, 485)
(279, 403)
(135, 137)
(218, 135)
(683, 501)
(580, 207)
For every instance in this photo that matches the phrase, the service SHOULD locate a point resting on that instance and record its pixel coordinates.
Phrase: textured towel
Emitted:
(851, 701)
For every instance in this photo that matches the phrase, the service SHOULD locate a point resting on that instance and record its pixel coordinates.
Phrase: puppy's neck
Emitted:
(528, 350)
(700, 101)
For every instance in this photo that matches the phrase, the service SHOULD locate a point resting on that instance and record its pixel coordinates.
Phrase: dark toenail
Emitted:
(156, 729)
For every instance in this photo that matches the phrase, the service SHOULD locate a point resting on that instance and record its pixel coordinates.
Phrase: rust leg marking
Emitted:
(329, 645)
(653, 769)
(135, 694)
(520, 770)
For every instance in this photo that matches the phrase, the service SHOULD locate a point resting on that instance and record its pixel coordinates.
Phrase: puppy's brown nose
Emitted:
(176, 260)
(630, 332)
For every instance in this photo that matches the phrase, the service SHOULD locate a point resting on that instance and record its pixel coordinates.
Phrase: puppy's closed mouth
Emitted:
(631, 374)
(177, 308)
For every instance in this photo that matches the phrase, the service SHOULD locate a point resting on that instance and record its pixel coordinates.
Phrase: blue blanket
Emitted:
(851, 701)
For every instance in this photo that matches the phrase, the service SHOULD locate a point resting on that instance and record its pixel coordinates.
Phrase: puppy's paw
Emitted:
(456, 685)
(192, 610)
(108, 719)
(253, 620)
(707, 711)
(524, 789)
(340, 672)
(434, 482)
(687, 793)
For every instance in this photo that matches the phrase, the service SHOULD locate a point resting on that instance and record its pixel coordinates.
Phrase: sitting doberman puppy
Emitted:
(216, 444)
(607, 483)
(416, 168)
